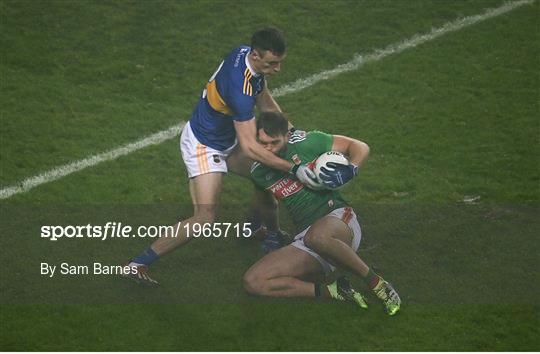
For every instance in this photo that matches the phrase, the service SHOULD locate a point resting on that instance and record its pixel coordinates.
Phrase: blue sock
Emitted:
(147, 257)
(271, 233)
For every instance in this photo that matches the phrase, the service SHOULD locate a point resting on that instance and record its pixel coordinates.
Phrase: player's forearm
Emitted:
(357, 152)
(267, 103)
(258, 153)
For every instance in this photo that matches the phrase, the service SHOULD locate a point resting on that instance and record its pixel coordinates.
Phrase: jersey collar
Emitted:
(249, 66)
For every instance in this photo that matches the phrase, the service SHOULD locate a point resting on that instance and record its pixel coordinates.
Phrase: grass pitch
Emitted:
(452, 120)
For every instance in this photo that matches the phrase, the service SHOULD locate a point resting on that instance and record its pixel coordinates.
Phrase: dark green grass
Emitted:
(83, 77)
(258, 327)
(453, 118)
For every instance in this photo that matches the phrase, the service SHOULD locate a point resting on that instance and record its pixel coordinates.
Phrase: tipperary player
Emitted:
(221, 136)
(329, 231)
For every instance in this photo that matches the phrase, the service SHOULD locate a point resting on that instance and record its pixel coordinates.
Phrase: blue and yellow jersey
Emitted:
(229, 95)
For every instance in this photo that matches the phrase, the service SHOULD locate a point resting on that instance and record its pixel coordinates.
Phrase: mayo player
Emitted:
(221, 136)
(329, 233)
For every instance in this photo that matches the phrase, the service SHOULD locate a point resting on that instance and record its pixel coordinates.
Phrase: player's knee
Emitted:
(315, 241)
(205, 213)
(253, 283)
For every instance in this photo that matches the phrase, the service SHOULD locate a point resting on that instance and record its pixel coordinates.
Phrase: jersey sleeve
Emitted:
(318, 142)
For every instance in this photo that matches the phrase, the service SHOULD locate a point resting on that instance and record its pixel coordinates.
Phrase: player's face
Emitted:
(274, 144)
(266, 62)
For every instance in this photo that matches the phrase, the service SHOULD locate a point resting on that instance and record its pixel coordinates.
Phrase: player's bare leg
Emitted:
(239, 163)
(331, 238)
(284, 273)
(263, 205)
(204, 190)
(279, 274)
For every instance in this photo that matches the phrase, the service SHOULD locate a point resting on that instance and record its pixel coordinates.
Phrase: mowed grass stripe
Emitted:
(357, 61)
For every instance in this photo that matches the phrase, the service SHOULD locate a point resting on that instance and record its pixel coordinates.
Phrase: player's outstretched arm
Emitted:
(246, 133)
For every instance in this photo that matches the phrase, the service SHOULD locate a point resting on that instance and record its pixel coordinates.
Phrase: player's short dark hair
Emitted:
(273, 123)
(269, 38)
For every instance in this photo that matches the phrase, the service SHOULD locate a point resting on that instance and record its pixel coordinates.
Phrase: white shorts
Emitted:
(349, 217)
(201, 159)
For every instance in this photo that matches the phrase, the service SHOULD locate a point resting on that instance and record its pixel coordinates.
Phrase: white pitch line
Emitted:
(396, 48)
(68, 169)
(357, 61)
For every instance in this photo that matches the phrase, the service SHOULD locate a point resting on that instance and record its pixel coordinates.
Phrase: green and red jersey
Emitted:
(304, 204)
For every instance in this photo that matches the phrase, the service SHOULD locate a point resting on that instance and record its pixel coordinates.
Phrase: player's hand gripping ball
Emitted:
(333, 170)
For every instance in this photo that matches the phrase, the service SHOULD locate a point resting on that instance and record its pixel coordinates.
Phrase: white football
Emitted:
(330, 156)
